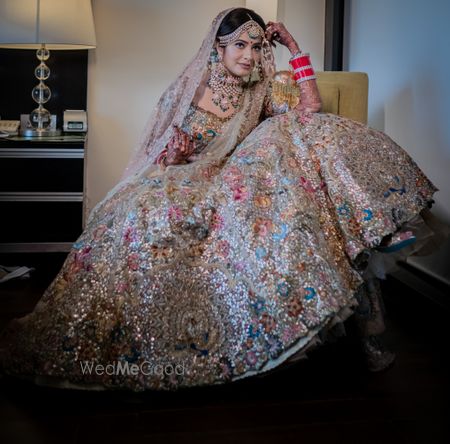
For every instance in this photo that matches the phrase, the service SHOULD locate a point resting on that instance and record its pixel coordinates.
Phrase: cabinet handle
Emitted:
(41, 197)
(47, 153)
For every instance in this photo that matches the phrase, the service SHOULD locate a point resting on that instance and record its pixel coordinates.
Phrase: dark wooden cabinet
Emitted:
(41, 193)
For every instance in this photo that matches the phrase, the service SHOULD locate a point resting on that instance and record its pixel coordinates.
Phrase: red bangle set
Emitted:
(303, 70)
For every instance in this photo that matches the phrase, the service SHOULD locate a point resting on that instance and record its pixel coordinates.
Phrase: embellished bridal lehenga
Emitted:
(225, 267)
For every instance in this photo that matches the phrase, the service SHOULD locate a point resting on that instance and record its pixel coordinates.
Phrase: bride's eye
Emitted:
(257, 48)
(239, 45)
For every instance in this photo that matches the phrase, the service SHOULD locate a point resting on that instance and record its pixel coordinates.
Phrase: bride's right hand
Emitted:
(179, 148)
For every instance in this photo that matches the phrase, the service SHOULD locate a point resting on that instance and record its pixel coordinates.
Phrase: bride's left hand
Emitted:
(279, 33)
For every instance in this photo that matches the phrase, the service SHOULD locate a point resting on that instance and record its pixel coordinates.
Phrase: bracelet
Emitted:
(295, 56)
(303, 70)
(161, 159)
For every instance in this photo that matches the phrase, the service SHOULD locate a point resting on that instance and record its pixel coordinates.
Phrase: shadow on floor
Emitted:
(328, 398)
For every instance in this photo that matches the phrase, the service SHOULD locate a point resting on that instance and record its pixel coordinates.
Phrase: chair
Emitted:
(344, 93)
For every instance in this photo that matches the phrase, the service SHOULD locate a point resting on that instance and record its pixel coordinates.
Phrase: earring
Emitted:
(214, 56)
(257, 73)
(215, 65)
(260, 70)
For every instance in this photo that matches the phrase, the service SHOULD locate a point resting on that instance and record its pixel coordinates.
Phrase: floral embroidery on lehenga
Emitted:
(229, 272)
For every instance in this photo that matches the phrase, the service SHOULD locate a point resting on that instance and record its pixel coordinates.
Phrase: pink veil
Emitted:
(172, 108)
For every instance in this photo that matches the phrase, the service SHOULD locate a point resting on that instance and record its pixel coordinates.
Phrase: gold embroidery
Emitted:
(285, 90)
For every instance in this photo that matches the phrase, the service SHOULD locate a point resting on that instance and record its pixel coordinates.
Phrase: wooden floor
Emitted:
(328, 398)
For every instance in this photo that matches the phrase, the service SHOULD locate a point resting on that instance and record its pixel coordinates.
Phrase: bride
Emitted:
(236, 235)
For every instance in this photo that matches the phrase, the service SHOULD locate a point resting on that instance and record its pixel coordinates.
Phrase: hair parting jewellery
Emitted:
(253, 29)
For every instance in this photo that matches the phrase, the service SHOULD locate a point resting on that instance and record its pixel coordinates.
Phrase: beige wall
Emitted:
(305, 19)
(141, 46)
(392, 42)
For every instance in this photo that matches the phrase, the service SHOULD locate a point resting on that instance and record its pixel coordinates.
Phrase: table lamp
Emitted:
(45, 25)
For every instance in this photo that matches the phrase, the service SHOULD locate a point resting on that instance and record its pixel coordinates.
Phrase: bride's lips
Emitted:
(245, 66)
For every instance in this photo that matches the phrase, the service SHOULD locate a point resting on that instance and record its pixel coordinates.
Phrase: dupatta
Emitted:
(172, 108)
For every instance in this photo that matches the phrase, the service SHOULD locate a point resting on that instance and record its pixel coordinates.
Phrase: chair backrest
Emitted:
(344, 93)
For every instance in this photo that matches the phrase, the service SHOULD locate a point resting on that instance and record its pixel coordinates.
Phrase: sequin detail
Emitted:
(227, 273)
(203, 126)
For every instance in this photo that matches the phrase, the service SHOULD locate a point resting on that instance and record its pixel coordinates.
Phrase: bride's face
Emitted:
(240, 56)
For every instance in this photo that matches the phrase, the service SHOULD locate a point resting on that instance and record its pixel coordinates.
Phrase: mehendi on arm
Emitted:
(310, 100)
(161, 158)
(177, 151)
(304, 74)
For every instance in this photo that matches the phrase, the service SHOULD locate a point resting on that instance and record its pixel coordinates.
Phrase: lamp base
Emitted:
(31, 132)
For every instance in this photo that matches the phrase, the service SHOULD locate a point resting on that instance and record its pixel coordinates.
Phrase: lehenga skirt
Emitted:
(184, 280)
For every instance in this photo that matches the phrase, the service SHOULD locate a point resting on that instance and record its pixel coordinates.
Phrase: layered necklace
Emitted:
(227, 88)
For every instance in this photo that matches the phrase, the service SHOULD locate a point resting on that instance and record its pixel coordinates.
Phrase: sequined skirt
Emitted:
(202, 280)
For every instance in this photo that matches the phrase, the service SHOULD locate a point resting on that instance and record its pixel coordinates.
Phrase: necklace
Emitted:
(226, 88)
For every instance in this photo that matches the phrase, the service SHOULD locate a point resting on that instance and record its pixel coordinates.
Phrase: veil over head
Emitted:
(174, 104)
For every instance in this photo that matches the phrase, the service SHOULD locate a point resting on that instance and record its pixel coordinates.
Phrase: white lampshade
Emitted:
(59, 24)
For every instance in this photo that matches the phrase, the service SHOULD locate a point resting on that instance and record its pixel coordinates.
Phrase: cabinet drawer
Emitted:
(41, 174)
(54, 221)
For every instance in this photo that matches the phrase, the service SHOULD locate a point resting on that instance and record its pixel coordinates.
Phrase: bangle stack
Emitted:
(303, 70)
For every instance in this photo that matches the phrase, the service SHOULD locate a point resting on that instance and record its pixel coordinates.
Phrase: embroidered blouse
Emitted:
(282, 96)
(203, 126)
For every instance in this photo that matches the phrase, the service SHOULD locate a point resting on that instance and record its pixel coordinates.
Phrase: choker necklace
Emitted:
(227, 88)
